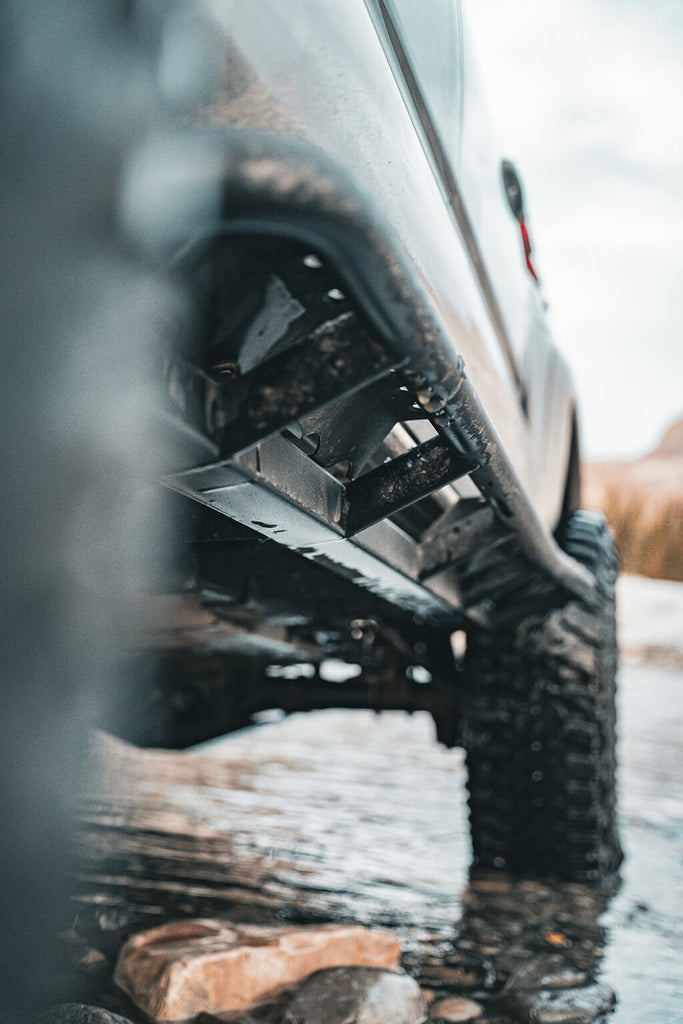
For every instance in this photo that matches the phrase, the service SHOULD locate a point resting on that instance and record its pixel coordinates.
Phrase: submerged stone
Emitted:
(563, 1006)
(78, 1013)
(456, 1009)
(355, 995)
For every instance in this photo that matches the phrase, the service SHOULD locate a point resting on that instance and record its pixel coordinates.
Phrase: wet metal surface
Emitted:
(354, 817)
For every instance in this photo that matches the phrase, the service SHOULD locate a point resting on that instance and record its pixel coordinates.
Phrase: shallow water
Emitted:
(645, 921)
(351, 816)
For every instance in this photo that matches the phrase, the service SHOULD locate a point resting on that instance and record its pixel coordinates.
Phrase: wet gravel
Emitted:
(356, 817)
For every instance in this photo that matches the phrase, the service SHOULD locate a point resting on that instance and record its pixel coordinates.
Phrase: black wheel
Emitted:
(539, 730)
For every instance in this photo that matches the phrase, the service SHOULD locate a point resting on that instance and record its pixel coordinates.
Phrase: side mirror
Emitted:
(513, 189)
(515, 198)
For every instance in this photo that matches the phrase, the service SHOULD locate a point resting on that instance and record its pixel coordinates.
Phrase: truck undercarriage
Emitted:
(345, 519)
(350, 530)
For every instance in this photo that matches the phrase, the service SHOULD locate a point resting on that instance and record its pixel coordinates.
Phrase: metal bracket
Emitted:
(336, 360)
(403, 481)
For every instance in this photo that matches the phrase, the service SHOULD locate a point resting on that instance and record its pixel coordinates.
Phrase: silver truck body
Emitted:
(330, 75)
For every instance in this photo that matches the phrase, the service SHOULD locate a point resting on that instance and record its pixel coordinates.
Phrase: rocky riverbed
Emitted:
(351, 817)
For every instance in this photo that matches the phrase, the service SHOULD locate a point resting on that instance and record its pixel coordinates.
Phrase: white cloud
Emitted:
(586, 97)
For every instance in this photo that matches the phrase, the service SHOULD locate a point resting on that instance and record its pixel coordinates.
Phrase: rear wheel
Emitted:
(539, 730)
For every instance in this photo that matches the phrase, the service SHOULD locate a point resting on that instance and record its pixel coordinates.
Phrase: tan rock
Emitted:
(180, 969)
(455, 1009)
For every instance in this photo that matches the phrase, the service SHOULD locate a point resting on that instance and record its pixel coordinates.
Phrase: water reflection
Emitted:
(352, 817)
(523, 950)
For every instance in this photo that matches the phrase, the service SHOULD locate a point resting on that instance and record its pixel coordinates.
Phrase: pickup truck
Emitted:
(368, 444)
(375, 461)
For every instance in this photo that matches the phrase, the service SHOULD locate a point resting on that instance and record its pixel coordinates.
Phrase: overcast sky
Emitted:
(587, 98)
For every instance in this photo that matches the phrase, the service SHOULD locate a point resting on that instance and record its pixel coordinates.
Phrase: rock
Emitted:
(567, 978)
(546, 973)
(183, 968)
(77, 1013)
(355, 995)
(261, 1013)
(453, 977)
(565, 1006)
(456, 1009)
(338, 995)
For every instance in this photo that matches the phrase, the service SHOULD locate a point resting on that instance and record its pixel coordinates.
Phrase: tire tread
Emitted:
(540, 730)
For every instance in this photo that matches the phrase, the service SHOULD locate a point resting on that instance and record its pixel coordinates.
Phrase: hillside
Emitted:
(643, 500)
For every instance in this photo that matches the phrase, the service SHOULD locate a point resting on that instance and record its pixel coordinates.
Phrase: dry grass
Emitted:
(649, 532)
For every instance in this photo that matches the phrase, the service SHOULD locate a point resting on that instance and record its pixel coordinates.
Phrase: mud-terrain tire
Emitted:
(539, 730)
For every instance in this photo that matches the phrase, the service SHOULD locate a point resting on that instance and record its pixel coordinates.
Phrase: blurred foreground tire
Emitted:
(76, 309)
(540, 724)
